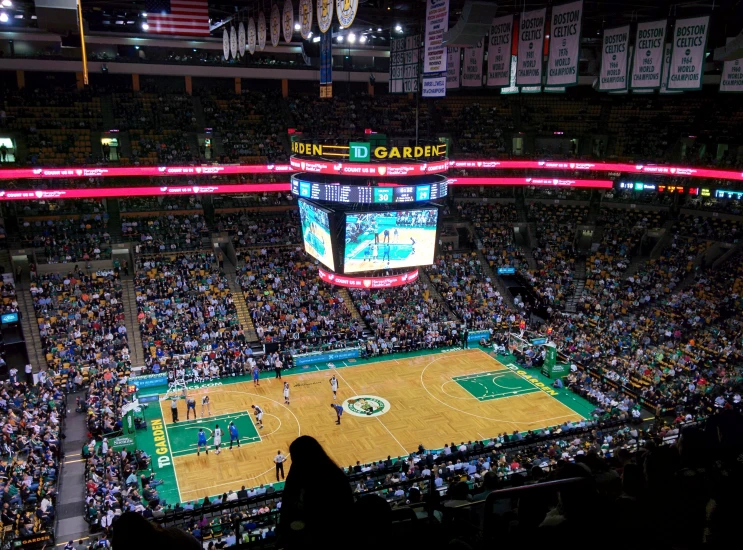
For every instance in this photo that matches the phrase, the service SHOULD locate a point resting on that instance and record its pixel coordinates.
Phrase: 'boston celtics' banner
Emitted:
(647, 61)
(731, 79)
(613, 74)
(687, 55)
(452, 67)
(499, 51)
(564, 53)
(531, 44)
(472, 72)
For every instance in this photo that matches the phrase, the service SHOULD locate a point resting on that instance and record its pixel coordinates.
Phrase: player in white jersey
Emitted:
(286, 393)
(334, 386)
(258, 415)
(205, 403)
(217, 438)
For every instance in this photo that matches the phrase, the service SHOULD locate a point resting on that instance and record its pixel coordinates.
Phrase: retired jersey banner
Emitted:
(564, 53)
(437, 23)
(614, 50)
(453, 66)
(472, 72)
(404, 65)
(531, 44)
(687, 53)
(647, 60)
(499, 51)
(731, 79)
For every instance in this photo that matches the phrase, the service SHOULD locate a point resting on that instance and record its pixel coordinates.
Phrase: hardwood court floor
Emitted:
(426, 405)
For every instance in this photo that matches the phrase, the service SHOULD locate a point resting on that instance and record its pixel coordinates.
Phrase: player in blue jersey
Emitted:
(338, 411)
(234, 435)
(201, 442)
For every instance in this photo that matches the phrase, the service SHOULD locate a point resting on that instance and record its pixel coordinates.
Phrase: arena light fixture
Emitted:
(7, 3)
(363, 39)
(3, 17)
(340, 39)
(351, 38)
(145, 27)
(398, 28)
(297, 26)
(316, 39)
(379, 29)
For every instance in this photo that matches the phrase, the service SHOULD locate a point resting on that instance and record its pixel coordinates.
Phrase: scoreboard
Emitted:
(344, 193)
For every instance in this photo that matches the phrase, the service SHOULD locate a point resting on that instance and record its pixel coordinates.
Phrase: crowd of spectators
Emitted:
(68, 239)
(166, 233)
(255, 228)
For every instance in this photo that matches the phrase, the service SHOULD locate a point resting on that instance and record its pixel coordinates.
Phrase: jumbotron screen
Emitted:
(316, 233)
(387, 240)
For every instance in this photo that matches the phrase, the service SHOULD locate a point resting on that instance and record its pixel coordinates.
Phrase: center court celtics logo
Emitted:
(366, 405)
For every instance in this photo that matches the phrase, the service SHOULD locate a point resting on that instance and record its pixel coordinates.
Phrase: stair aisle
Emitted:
(497, 281)
(343, 293)
(428, 285)
(136, 350)
(571, 305)
(30, 327)
(243, 312)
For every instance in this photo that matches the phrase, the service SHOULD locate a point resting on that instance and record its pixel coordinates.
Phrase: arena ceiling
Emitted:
(126, 16)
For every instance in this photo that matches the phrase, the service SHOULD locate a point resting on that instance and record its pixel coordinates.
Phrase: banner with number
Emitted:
(614, 50)
(687, 53)
(499, 51)
(437, 23)
(531, 44)
(647, 60)
(731, 79)
(453, 66)
(404, 65)
(472, 72)
(666, 66)
(287, 21)
(564, 52)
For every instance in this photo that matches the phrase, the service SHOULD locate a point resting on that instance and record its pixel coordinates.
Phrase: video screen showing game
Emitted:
(316, 233)
(386, 240)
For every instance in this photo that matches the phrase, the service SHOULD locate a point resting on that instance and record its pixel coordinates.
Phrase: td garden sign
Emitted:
(363, 151)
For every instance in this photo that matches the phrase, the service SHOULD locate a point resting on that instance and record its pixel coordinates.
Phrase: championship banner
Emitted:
(326, 64)
(305, 18)
(434, 86)
(647, 60)
(499, 51)
(275, 25)
(687, 53)
(472, 72)
(531, 44)
(346, 10)
(453, 56)
(437, 23)
(261, 31)
(614, 49)
(324, 14)
(287, 21)
(241, 39)
(226, 44)
(564, 53)
(251, 36)
(731, 79)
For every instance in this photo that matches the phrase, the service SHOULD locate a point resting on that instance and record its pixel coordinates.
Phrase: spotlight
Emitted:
(136, 47)
(3, 17)
(316, 39)
(379, 29)
(297, 26)
(145, 27)
(398, 28)
(363, 39)
(352, 38)
(7, 3)
(340, 39)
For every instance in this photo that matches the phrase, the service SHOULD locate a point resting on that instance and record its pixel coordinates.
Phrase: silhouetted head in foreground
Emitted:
(133, 531)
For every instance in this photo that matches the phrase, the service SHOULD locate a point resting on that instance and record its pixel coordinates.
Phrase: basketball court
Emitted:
(390, 407)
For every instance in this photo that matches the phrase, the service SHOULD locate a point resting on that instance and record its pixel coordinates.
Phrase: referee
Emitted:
(279, 460)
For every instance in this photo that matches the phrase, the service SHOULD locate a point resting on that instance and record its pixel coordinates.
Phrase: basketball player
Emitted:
(395, 236)
(256, 374)
(368, 252)
(286, 393)
(258, 416)
(375, 252)
(386, 254)
(334, 387)
(386, 236)
(217, 438)
(205, 403)
(234, 435)
(190, 406)
(412, 244)
(201, 442)
(338, 411)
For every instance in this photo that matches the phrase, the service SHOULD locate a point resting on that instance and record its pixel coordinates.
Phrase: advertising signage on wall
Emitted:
(363, 151)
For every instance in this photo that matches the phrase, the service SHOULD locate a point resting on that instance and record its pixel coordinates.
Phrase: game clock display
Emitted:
(388, 240)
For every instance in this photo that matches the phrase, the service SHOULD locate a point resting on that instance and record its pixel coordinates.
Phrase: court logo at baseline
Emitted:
(366, 405)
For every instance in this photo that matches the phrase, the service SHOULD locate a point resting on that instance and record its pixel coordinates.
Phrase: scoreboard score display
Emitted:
(385, 194)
